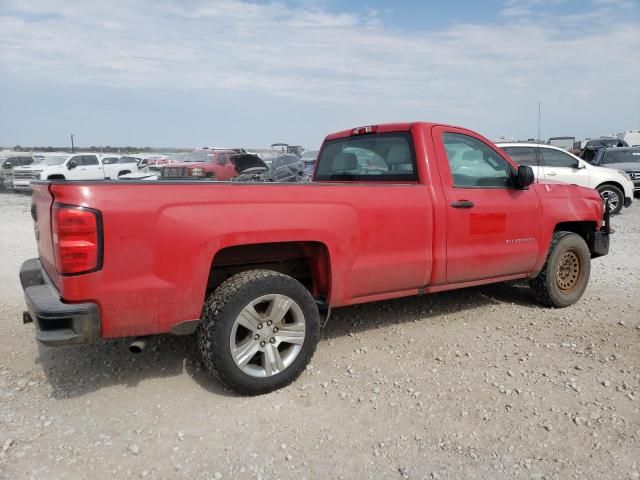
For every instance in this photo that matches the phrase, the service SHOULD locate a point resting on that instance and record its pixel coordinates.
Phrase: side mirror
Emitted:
(72, 164)
(580, 166)
(525, 176)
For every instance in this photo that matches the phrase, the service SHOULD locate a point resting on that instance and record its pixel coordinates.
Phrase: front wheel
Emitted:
(258, 332)
(565, 274)
(613, 196)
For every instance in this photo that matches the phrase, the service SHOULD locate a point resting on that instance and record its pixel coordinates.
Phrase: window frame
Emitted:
(400, 178)
(557, 152)
(497, 152)
(536, 152)
(90, 157)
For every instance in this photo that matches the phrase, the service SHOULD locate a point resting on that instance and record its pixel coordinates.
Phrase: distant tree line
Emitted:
(92, 148)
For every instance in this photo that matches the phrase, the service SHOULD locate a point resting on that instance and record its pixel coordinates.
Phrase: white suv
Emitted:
(553, 163)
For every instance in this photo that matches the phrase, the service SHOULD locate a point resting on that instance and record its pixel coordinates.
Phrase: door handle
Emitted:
(462, 204)
(551, 174)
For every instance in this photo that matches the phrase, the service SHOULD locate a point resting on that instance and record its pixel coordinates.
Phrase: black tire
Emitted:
(220, 312)
(614, 195)
(565, 274)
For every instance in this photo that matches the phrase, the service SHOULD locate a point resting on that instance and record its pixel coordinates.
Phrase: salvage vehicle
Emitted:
(554, 163)
(624, 159)
(211, 164)
(591, 147)
(566, 143)
(76, 166)
(278, 168)
(260, 265)
(309, 158)
(7, 164)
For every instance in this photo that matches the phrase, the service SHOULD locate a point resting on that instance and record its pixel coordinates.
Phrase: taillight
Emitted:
(77, 239)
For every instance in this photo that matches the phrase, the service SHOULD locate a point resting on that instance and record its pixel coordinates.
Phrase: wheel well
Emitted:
(613, 184)
(584, 229)
(55, 177)
(307, 262)
(124, 172)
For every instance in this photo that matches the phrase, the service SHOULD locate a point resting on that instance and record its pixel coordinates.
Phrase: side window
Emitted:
(524, 155)
(89, 160)
(474, 164)
(556, 158)
(26, 161)
(12, 162)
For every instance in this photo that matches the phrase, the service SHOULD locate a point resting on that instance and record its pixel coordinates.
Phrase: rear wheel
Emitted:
(565, 274)
(613, 196)
(258, 332)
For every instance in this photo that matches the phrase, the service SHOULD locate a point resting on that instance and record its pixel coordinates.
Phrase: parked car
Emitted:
(76, 166)
(7, 164)
(625, 159)
(309, 158)
(565, 143)
(279, 168)
(252, 267)
(630, 137)
(592, 146)
(553, 163)
(210, 164)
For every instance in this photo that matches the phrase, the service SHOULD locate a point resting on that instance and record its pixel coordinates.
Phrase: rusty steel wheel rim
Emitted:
(568, 271)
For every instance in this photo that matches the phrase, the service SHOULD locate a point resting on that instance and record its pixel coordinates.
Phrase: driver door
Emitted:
(492, 226)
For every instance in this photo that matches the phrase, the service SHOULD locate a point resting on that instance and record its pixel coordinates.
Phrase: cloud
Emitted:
(312, 54)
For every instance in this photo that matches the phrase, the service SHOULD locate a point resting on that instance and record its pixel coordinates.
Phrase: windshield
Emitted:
(199, 156)
(622, 156)
(54, 160)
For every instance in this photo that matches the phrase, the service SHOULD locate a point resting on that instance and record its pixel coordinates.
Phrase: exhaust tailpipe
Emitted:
(137, 345)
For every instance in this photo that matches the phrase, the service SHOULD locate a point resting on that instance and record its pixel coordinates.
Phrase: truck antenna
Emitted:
(538, 151)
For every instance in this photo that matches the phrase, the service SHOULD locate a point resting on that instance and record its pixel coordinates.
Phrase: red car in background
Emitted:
(212, 164)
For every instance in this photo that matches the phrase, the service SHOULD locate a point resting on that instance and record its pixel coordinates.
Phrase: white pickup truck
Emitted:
(76, 166)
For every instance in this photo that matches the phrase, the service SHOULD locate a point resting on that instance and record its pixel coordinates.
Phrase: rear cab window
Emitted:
(374, 157)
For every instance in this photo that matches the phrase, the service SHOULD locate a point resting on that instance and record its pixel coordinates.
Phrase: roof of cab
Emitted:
(385, 128)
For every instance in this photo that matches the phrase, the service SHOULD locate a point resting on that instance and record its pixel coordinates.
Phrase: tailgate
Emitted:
(42, 201)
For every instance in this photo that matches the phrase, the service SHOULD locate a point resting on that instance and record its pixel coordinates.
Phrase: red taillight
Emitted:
(76, 239)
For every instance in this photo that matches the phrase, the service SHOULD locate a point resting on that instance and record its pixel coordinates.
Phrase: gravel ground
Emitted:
(481, 383)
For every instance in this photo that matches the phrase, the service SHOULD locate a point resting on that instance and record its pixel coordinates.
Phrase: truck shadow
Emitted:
(78, 370)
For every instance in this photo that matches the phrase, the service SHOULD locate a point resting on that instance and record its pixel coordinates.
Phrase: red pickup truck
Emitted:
(393, 210)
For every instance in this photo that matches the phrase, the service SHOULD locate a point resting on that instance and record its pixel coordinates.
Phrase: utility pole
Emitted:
(72, 151)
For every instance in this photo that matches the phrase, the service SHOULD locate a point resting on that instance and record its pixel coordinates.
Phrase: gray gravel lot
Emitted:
(481, 383)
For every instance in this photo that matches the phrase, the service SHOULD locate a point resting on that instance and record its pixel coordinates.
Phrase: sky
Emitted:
(250, 73)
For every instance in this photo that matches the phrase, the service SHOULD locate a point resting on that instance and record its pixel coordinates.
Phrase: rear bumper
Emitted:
(57, 323)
